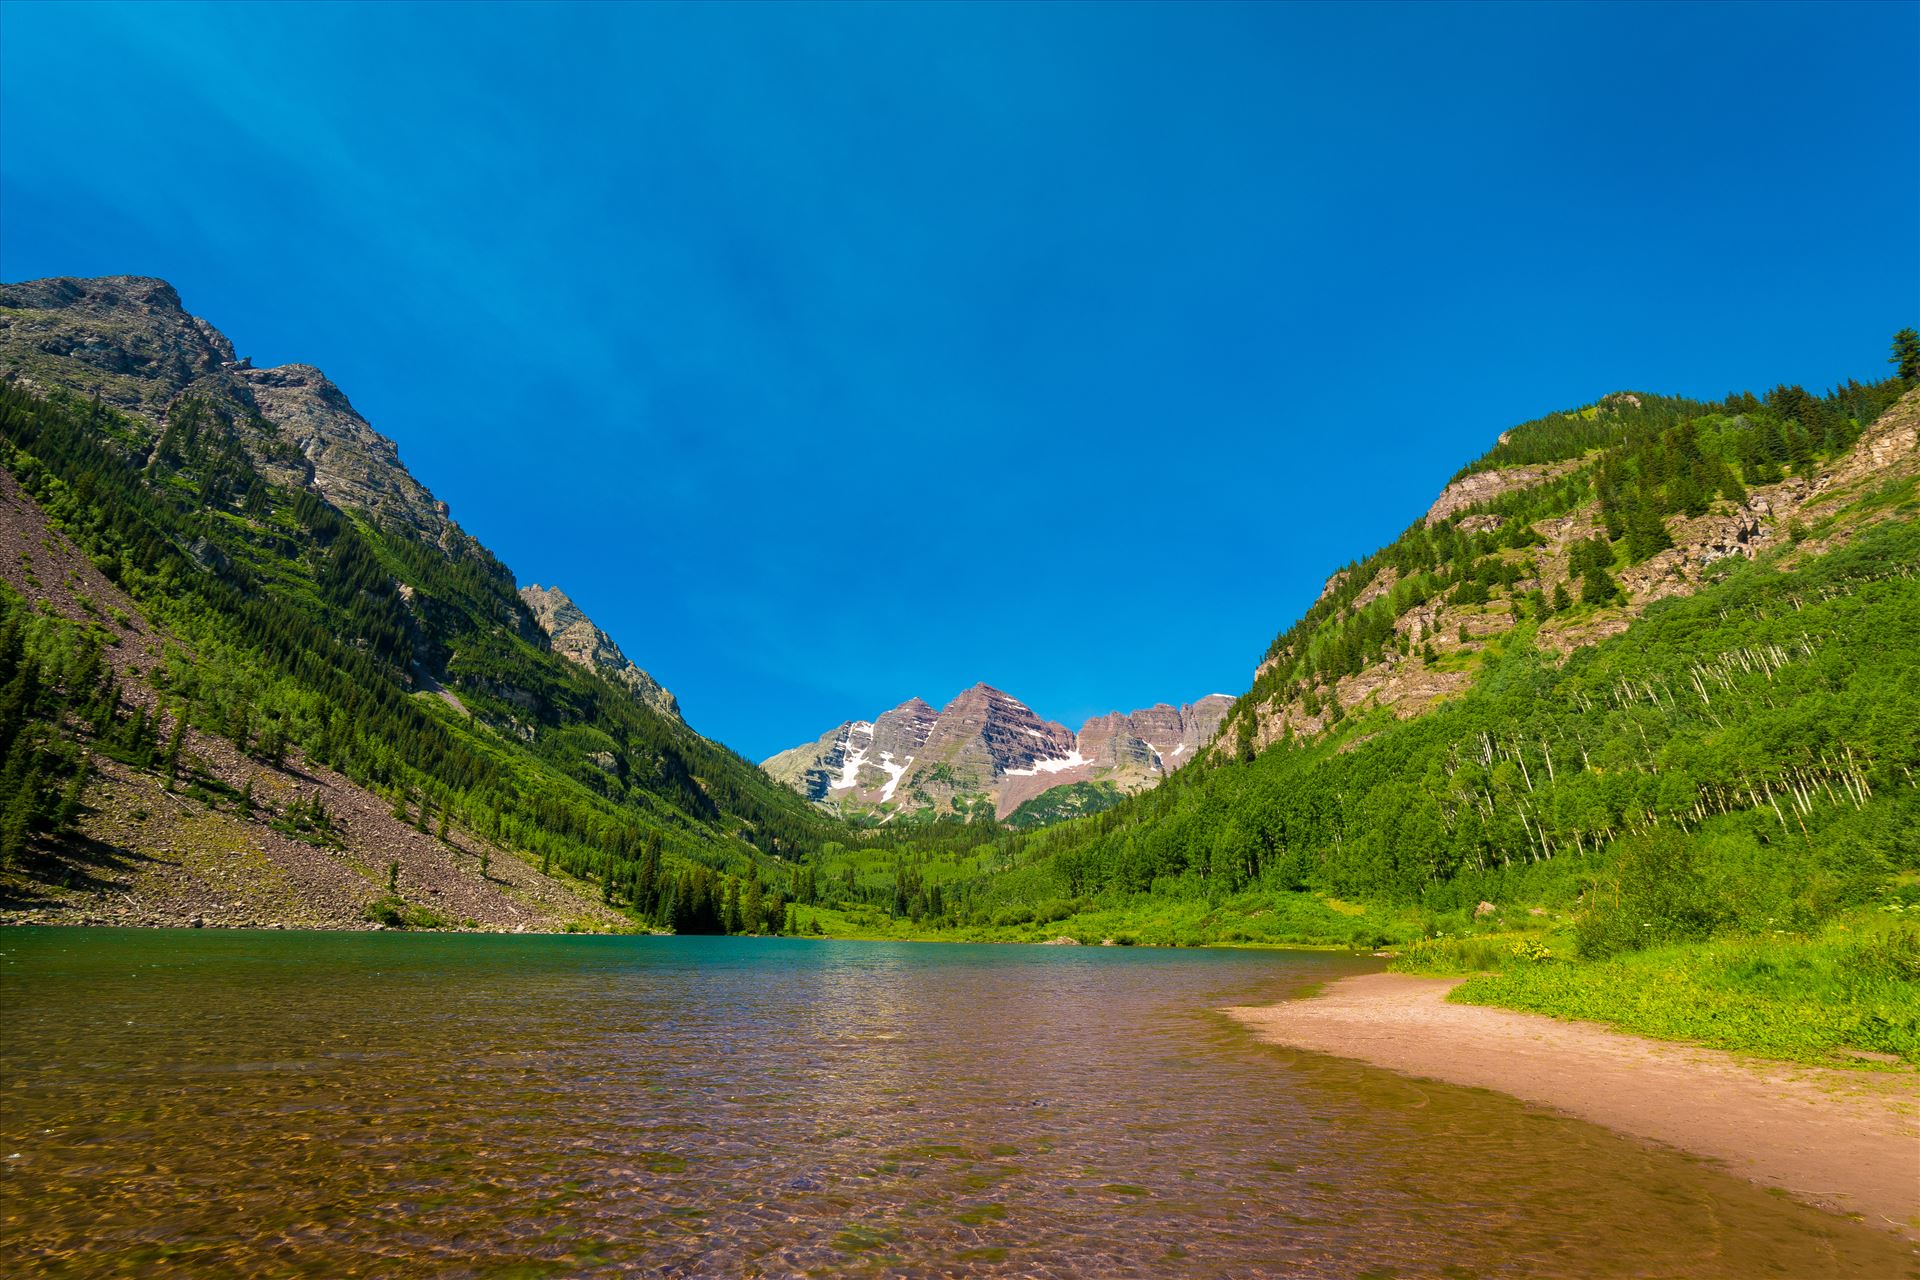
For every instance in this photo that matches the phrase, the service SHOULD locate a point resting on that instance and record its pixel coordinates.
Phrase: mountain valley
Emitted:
(259, 675)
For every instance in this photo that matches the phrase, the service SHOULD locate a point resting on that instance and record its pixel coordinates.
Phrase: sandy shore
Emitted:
(1843, 1140)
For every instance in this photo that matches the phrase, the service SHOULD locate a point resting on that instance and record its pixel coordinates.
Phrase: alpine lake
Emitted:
(389, 1104)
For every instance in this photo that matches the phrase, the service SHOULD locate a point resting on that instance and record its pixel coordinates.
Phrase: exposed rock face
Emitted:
(901, 732)
(128, 340)
(860, 761)
(350, 463)
(1160, 738)
(989, 748)
(1485, 486)
(985, 733)
(125, 337)
(574, 637)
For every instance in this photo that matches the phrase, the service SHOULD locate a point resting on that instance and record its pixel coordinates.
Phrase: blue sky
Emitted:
(834, 355)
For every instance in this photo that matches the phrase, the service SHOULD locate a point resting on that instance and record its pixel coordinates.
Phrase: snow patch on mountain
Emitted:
(895, 772)
(1059, 764)
(856, 756)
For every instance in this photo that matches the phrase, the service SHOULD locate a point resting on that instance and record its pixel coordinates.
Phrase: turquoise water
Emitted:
(398, 1105)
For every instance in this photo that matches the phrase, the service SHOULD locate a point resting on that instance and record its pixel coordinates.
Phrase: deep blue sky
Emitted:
(833, 355)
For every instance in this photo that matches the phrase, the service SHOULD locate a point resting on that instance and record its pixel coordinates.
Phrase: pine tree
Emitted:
(753, 909)
(273, 743)
(647, 887)
(174, 745)
(72, 798)
(1906, 355)
(105, 708)
(240, 725)
(20, 796)
(17, 705)
(730, 908)
(1646, 534)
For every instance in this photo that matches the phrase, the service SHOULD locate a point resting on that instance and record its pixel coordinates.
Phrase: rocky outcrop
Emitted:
(573, 635)
(126, 339)
(352, 465)
(1481, 487)
(1160, 738)
(986, 748)
(130, 342)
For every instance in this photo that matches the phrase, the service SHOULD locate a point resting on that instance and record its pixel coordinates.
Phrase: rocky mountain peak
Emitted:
(987, 729)
(986, 749)
(130, 341)
(575, 637)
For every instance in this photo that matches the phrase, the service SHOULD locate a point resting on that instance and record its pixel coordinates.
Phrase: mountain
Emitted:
(1646, 666)
(127, 342)
(1643, 676)
(987, 750)
(230, 604)
(574, 637)
(1570, 528)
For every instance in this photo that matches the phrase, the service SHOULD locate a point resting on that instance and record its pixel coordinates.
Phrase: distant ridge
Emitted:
(988, 751)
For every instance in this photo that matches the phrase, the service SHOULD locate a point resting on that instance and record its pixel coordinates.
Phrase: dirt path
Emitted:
(1843, 1140)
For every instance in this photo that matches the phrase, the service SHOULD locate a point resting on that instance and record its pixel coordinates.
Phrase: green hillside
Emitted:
(296, 629)
(1724, 755)
(1641, 684)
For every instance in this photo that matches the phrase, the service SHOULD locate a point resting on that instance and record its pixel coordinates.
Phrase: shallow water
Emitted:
(385, 1104)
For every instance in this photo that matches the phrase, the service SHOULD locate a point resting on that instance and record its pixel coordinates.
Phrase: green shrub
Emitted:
(1657, 895)
(1855, 987)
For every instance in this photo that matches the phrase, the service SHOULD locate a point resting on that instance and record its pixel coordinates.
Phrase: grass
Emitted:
(1855, 986)
(397, 913)
(1252, 919)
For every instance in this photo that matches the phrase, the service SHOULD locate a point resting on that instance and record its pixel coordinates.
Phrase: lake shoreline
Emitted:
(74, 919)
(1844, 1141)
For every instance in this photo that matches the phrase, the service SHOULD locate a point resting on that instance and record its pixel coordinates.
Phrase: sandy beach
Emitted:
(1844, 1140)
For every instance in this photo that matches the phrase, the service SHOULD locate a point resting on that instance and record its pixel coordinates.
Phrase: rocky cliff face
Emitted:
(989, 749)
(1479, 487)
(574, 637)
(352, 465)
(859, 761)
(129, 341)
